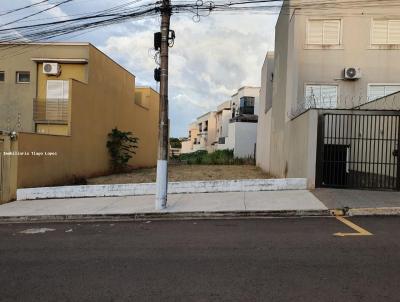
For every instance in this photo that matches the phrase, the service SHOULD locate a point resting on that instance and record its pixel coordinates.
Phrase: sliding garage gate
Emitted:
(359, 151)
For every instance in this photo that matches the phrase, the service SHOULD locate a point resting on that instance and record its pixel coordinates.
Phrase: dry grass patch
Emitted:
(185, 173)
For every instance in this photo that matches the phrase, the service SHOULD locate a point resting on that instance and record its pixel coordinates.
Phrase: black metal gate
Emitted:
(359, 150)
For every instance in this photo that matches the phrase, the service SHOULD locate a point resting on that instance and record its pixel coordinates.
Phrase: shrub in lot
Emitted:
(121, 147)
(219, 157)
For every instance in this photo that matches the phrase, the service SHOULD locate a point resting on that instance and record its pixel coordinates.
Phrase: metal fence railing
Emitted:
(390, 102)
(51, 110)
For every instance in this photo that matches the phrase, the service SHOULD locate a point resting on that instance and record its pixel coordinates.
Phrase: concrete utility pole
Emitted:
(163, 139)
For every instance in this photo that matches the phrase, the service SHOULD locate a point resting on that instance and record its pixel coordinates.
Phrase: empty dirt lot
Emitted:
(185, 173)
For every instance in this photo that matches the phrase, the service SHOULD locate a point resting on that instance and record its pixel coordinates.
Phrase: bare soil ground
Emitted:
(185, 173)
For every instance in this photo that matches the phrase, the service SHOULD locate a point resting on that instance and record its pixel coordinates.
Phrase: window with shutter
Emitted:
(386, 32)
(376, 92)
(57, 89)
(379, 32)
(324, 32)
(394, 32)
(331, 32)
(315, 32)
(321, 96)
(57, 96)
(380, 91)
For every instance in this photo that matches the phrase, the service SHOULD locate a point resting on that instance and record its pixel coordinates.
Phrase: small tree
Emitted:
(175, 142)
(121, 146)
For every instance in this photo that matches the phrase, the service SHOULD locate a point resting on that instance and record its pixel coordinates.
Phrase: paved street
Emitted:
(294, 259)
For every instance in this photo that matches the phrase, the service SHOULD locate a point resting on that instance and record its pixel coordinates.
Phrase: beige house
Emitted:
(192, 139)
(223, 116)
(325, 60)
(64, 99)
(233, 126)
(207, 132)
(242, 128)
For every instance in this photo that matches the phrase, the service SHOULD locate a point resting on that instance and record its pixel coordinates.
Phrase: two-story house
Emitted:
(66, 98)
(242, 128)
(190, 143)
(329, 60)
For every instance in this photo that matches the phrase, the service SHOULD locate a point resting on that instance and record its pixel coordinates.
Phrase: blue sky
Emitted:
(209, 61)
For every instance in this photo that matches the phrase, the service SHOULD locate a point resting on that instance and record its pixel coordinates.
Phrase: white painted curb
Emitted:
(248, 185)
(394, 211)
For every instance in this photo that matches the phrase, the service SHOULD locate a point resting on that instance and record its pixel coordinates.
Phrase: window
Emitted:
(321, 96)
(324, 32)
(57, 90)
(205, 126)
(247, 105)
(377, 91)
(23, 77)
(2, 76)
(385, 32)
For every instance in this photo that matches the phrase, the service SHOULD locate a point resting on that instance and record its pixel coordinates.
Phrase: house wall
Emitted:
(187, 147)
(264, 116)
(278, 149)
(223, 115)
(226, 116)
(390, 102)
(74, 71)
(107, 101)
(189, 144)
(302, 133)
(326, 64)
(245, 139)
(263, 152)
(16, 109)
(207, 138)
(242, 139)
(8, 169)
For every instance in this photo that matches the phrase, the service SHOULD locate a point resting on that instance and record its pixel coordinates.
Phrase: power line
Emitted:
(135, 9)
(37, 13)
(22, 8)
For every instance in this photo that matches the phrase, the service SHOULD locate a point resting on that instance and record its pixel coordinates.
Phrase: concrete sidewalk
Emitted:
(206, 203)
(356, 199)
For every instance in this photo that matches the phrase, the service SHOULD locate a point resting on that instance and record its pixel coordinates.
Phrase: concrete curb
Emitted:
(361, 212)
(165, 216)
(218, 186)
(393, 211)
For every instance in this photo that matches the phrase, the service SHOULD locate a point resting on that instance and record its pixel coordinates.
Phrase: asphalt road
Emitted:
(215, 260)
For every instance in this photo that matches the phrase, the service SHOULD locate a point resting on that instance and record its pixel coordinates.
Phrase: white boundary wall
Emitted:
(248, 185)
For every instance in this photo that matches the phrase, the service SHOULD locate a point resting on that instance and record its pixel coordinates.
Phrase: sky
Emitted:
(208, 63)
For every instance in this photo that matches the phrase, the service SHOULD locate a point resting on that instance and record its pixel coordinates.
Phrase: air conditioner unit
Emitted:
(352, 73)
(51, 68)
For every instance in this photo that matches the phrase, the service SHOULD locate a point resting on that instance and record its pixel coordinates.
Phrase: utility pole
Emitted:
(163, 138)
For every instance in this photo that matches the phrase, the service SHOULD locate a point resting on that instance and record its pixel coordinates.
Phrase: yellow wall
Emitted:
(17, 98)
(68, 71)
(53, 129)
(107, 101)
(8, 169)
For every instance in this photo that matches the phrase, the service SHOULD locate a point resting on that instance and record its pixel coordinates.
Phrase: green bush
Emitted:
(219, 157)
(121, 147)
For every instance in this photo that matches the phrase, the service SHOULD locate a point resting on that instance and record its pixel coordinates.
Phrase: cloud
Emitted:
(56, 12)
(209, 61)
